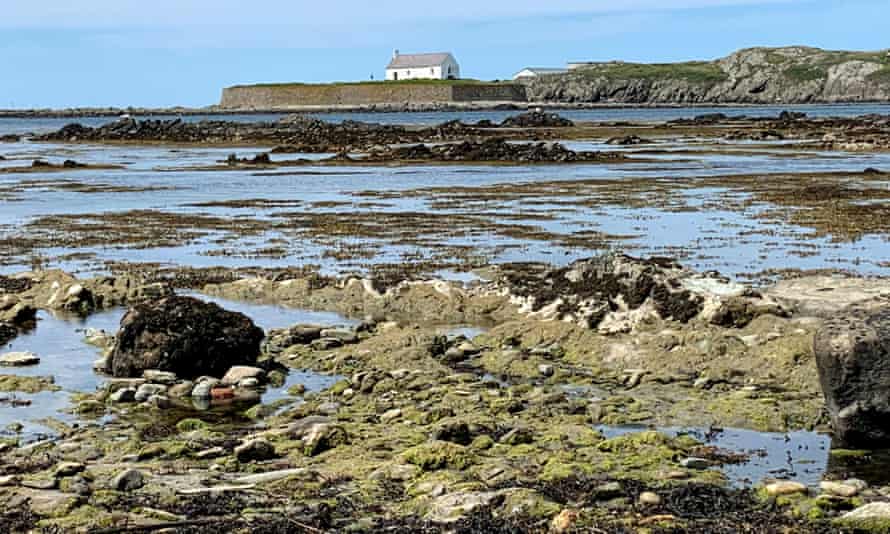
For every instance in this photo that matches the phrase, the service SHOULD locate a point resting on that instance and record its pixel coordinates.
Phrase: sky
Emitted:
(157, 53)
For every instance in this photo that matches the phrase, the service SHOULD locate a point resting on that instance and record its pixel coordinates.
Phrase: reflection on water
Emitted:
(801, 456)
(59, 342)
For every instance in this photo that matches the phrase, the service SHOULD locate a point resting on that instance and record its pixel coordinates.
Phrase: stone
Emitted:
(847, 489)
(391, 415)
(852, 351)
(159, 377)
(159, 401)
(9, 480)
(102, 365)
(128, 480)
(123, 396)
(270, 476)
(256, 450)
(564, 521)
(213, 452)
(648, 498)
(453, 507)
(185, 336)
(203, 388)
(67, 469)
(249, 383)
(875, 511)
(181, 390)
(345, 336)
(546, 370)
(148, 390)
(323, 437)
(695, 463)
(19, 359)
(518, 436)
(785, 487)
(326, 343)
(240, 372)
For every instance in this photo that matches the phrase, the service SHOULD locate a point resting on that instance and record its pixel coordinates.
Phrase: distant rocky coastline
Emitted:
(789, 75)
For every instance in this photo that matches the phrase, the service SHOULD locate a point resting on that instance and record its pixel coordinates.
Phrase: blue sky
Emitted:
(64, 53)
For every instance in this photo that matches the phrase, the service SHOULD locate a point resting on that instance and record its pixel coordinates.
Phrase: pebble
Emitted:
(9, 480)
(128, 480)
(848, 488)
(67, 469)
(564, 521)
(648, 498)
(391, 415)
(203, 388)
(160, 377)
(785, 487)
(147, 390)
(546, 370)
(19, 359)
(256, 450)
(123, 396)
(159, 401)
(239, 373)
(695, 463)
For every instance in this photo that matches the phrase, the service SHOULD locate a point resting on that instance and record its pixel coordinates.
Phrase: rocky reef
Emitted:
(522, 425)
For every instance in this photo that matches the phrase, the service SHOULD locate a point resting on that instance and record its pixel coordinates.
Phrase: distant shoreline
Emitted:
(414, 108)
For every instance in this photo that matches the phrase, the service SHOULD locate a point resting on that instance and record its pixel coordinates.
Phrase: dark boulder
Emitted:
(853, 355)
(7, 333)
(186, 336)
(536, 119)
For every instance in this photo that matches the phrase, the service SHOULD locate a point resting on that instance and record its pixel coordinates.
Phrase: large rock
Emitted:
(185, 336)
(853, 355)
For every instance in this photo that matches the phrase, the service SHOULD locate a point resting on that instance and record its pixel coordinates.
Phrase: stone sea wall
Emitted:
(285, 96)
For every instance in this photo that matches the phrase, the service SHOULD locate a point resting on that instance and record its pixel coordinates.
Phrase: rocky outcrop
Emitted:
(293, 132)
(853, 355)
(755, 75)
(186, 336)
(536, 119)
(491, 150)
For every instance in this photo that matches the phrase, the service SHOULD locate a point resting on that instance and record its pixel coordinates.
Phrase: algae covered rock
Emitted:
(185, 336)
(853, 355)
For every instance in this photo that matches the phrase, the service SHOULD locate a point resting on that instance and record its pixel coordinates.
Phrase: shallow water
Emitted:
(59, 342)
(635, 114)
(704, 236)
(800, 456)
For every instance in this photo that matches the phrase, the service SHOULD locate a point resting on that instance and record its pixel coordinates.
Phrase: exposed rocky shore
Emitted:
(756, 75)
(425, 430)
(299, 132)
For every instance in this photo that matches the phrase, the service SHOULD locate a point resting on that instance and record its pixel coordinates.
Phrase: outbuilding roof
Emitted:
(409, 61)
(543, 70)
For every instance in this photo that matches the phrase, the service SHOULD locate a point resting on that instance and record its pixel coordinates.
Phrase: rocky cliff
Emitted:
(754, 75)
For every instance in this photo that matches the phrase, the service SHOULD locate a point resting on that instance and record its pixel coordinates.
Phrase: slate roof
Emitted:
(416, 61)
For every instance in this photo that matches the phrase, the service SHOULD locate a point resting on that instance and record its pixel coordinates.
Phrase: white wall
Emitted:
(426, 73)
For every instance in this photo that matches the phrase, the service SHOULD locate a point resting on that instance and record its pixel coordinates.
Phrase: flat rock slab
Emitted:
(19, 359)
(216, 489)
(823, 296)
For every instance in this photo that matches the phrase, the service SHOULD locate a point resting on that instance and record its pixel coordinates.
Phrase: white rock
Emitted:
(240, 372)
(19, 359)
(875, 510)
(785, 487)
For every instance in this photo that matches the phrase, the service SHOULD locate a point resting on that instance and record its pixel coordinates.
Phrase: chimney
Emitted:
(395, 53)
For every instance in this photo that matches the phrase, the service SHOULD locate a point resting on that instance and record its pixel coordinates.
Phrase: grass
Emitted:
(699, 72)
(806, 73)
(376, 83)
